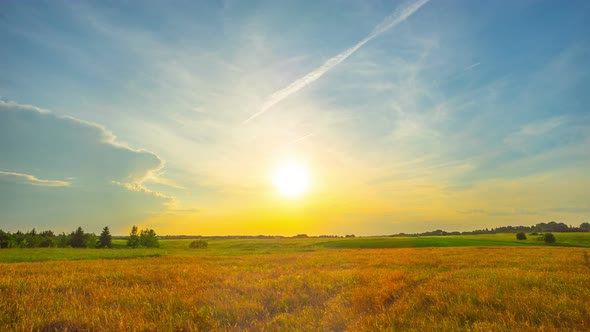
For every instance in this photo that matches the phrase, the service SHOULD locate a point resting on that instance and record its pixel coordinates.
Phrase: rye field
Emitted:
(451, 283)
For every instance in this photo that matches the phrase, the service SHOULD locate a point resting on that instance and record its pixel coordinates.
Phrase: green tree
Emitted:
(549, 238)
(6, 240)
(105, 240)
(90, 240)
(33, 239)
(47, 239)
(63, 240)
(520, 236)
(78, 239)
(133, 240)
(585, 227)
(149, 239)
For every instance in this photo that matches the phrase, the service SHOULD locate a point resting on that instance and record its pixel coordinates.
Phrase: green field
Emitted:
(228, 247)
(563, 239)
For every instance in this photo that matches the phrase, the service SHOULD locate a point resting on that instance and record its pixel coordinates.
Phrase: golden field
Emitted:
(407, 289)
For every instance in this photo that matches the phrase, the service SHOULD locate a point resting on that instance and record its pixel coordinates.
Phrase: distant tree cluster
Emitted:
(48, 239)
(146, 238)
(551, 226)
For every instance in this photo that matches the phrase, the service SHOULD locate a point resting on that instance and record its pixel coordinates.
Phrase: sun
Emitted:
(291, 179)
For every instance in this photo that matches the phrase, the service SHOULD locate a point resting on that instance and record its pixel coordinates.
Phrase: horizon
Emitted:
(295, 117)
(311, 235)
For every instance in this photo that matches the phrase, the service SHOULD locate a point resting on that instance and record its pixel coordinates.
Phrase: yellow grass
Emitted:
(427, 289)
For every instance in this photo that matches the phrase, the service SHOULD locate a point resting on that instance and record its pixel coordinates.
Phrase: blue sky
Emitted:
(411, 115)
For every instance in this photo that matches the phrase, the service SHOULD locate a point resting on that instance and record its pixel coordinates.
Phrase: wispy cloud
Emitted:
(534, 129)
(542, 127)
(138, 187)
(32, 180)
(397, 17)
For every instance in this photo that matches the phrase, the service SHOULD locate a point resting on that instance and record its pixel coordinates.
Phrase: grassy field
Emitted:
(411, 289)
(563, 239)
(286, 245)
(474, 283)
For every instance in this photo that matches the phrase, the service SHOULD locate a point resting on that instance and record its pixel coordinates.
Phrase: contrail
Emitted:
(398, 16)
(473, 66)
(299, 139)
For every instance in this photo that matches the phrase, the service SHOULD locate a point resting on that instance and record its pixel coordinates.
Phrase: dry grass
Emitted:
(429, 289)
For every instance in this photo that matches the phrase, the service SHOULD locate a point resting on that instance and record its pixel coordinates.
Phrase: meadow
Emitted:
(473, 283)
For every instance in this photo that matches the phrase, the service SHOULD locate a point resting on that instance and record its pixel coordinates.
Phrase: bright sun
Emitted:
(291, 179)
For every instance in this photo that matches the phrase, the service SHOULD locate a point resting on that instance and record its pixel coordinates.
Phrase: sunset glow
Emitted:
(291, 179)
(289, 117)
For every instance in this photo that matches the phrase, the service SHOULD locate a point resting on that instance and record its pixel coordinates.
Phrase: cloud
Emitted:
(35, 141)
(31, 180)
(534, 129)
(397, 17)
(137, 187)
(61, 172)
(541, 127)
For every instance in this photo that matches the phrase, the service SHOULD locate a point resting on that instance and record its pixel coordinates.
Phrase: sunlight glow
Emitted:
(291, 179)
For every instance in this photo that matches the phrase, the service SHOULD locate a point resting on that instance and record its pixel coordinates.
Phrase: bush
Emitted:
(149, 239)
(534, 233)
(549, 238)
(201, 244)
(520, 236)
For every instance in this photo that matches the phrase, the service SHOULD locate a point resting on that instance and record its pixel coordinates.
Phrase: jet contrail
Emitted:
(392, 20)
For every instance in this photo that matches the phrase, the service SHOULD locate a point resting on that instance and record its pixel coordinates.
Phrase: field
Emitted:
(476, 283)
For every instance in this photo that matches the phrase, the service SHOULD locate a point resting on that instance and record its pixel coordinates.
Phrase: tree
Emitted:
(149, 239)
(33, 239)
(105, 240)
(133, 240)
(78, 239)
(90, 240)
(585, 227)
(47, 239)
(6, 240)
(63, 240)
(549, 238)
(520, 236)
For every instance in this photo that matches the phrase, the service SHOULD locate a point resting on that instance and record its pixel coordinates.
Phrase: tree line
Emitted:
(76, 239)
(551, 226)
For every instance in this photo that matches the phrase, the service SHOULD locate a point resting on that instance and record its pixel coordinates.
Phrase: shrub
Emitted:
(534, 233)
(520, 236)
(549, 238)
(201, 244)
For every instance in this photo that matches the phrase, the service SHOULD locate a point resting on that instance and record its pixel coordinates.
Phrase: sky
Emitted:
(407, 116)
